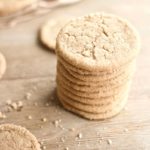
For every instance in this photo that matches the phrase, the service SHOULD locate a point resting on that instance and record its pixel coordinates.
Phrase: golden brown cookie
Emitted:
(102, 107)
(98, 42)
(14, 137)
(49, 31)
(91, 101)
(104, 92)
(88, 85)
(102, 78)
(95, 116)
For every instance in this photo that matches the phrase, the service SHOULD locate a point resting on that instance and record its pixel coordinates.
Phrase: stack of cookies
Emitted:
(96, 61)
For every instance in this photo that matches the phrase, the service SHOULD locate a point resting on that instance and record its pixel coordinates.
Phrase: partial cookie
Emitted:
(50, 30)
(91, 84)
(84, 72)
(98, 42)
(2, 65)
(7, 7)
(91, 101)
(94, 94)
(95, 116)
(91, 89)
(103, 107)
(102, 78)
(14, 137)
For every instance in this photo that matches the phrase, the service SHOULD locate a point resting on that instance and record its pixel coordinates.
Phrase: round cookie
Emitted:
(14, 137)
(95, 116)
(90, 89)
(8, 7)
(100, 108)
(84, 72)
(101, 78)
(91, 84)
(98, 42)
(91, 101)
(99, 93)
(2, 65)
(50, 30)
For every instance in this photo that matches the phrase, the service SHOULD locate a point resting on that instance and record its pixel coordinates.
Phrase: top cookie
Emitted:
(9, 6)
(14, 137)
(98, 42)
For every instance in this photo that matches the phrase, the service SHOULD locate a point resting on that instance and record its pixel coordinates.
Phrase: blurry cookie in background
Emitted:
(8, 7)
(2, 65)
(49, 31)
(14, 137)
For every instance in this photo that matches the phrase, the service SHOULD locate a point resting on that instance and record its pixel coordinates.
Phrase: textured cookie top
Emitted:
(98, 41)
(17, 138)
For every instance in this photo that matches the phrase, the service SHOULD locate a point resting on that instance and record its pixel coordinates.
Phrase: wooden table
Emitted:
(31, 68)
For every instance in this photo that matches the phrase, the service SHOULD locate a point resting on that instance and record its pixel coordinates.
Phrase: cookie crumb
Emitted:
(56, 122)
(35, 104)
(47, 104)
(66, 148)
(43, 147)
(79, 135)
(109, 141)
(125, 130)
(28, 96)
(30, 117)
(62, 139)
(8, 102)
(72, 129)
(44, 119)
(2, 116)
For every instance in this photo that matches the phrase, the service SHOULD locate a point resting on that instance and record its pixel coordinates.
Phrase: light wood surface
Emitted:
(31, 69)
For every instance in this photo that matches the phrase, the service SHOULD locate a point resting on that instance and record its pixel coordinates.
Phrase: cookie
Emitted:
(7, 7)
(98, 42)
(95, 116)
(97, 108)
(91, 84)
(94, 94)
(14, 137)
(92, 101)
(102, 78)
(2, 65)
(49, 31)
(84, 72)
(90, 89)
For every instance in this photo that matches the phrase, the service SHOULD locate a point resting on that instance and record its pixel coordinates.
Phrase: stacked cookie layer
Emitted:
(96, 61)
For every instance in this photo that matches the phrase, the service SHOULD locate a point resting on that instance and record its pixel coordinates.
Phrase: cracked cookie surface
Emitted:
(98, 41)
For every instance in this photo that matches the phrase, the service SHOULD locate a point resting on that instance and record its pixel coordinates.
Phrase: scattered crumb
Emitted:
(62, 139)
(67, 148)
(79, 135)
(28, 96)
(2, 116)
(100, 141)
(126, 130)
(44, 119)
(47, 104)
(41, 127)
(14, 105)
(30, 117)
(43, 147)
(8, 102)
(109, 141)
(35, 104)
(57, 122)
(72, 129)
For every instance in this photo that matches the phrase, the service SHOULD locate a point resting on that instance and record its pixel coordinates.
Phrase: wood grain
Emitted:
(31, 69)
